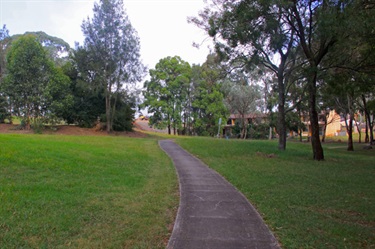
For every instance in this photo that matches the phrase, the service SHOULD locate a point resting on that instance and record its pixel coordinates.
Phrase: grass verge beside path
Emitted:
(85, 192)
(307, 204)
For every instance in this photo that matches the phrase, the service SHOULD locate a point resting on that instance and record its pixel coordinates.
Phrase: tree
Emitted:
(243, 99)
(166, 92)
(318, 25)
(113, 46)
(32, 82)
(57, 49)
(4, 42)
(254, 34)
(207, 96)
(89, 99)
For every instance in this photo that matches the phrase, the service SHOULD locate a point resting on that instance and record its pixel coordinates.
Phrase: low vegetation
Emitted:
(116, 192)
(85, 192)
(307, 204)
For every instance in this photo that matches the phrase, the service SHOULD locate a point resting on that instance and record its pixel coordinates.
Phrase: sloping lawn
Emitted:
(85, 192)
(307, 204)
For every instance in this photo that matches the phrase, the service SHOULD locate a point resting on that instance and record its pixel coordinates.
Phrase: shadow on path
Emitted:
(212, 213)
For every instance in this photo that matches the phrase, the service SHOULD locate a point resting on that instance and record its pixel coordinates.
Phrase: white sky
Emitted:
(161, 24)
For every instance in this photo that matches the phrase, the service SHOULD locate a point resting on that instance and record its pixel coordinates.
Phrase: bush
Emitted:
(37, 125)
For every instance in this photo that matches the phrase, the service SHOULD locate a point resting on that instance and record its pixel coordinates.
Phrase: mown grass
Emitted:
(307, 204)
(85, 192)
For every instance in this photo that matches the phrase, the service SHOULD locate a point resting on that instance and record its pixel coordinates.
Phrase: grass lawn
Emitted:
(85, 192)
(307, 204)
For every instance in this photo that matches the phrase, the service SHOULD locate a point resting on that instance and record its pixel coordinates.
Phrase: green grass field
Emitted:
(307, 204)
(85, 192)
(116, 192)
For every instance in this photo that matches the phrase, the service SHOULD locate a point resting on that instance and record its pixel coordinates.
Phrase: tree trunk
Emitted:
(113, 110)
(324, 132)
(367, 138)
(108, 112)
(10, 111)
(281, 115)
(349, 130)
(270, 134)
(359, 131)
(325, 126)
(314, 121)
(369, 124)
(169, 124)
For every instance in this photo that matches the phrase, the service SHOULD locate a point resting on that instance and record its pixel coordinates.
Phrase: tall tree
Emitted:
(207, 96)
(318, 27)
(251, 34)
(112, 42)
(32, 82)
(354, 57)
(4, 42)
(166, 92)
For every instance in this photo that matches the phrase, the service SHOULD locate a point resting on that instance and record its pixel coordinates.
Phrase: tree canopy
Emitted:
(35, 87)
(112, 47)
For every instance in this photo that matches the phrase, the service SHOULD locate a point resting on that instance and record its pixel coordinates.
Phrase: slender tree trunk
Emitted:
(270, 134)
(10, 111)
(27, 121)
(371, 126)
(113, 109)
(359, 131)
(108, 112)
(245, 129)
(169, 124)
(314, 120)
(367, 138)
(281, 115)
(349, 129)
(325, 127)
(324, 132)
(368, 120)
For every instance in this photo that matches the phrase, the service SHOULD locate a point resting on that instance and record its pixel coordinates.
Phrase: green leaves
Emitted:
(112, 47)
(35, 87)
(166, 93)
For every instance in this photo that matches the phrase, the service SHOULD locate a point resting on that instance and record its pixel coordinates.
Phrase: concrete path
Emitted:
(212, 213)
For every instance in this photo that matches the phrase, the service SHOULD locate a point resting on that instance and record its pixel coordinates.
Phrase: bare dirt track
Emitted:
(144, 126)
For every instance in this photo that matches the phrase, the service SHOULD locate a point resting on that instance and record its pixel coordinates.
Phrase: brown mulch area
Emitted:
(71, 130)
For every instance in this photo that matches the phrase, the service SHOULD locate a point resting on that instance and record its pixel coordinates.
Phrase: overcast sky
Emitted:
(161, 24)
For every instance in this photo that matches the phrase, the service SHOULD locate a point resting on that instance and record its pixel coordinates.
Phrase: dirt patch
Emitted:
(71, 130)
(144, 126)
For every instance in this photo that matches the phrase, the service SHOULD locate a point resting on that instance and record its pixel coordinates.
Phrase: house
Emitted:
(237, 118)
(336, 124)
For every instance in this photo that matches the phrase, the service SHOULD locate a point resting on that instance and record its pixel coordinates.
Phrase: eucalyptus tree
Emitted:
(167, 91)
(253, 34)
(319, 26)
(354, 57)
(113, 44)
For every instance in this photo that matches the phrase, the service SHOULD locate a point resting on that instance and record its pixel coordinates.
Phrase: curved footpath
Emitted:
(212, 213)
